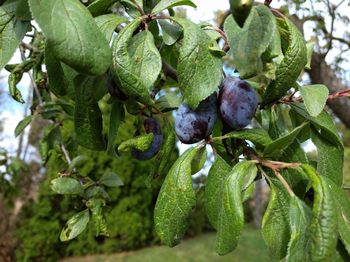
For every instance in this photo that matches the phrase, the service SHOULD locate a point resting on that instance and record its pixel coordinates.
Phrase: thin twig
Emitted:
(65, 153)
(36, 89)
(168, 70)
(341, 93)
(139, 8)
(284, 183)
(224, 36)
(277, 13)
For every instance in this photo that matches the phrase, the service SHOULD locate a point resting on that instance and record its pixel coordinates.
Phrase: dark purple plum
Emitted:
(113, 89)
(192, 126)
(237, 102)
(151, 126)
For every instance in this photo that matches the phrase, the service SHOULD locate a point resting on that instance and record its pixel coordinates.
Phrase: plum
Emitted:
(240, 10)
(151, 126)
(237, 102)
(113, 89)
(192, 126)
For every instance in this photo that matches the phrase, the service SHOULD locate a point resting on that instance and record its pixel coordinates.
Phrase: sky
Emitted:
(13, 112)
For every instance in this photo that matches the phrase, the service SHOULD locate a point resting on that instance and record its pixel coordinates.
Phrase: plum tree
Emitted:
(151, 126)
(237, 102)
(192, 126)
(157, 70)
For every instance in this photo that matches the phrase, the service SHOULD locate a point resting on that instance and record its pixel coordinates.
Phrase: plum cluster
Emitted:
(236, 103)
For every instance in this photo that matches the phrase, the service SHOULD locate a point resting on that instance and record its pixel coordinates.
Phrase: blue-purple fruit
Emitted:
(192, 126)
(237, 102)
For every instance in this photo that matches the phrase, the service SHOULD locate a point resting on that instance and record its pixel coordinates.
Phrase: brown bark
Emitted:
(322, 73)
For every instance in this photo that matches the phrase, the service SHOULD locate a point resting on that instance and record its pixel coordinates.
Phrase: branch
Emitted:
(169, 71)
(138, 7)
(341, 93)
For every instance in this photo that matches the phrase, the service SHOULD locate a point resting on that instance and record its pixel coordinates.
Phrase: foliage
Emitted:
(129, 215)
(139, 66)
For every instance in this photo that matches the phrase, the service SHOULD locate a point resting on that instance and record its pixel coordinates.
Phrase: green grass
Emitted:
(202, 248)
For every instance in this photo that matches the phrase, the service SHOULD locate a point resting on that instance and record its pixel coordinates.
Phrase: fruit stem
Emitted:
(281, 179)
(138, 7)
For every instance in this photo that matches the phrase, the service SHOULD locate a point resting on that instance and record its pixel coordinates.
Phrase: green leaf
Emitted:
(108, 23)
(299, 219)
(278, 145)
(323, 121)
(247, 44)
(66, 185)
(165, 152)
(168, 100)
(215, 49)
(23, 11)
(69, 28)
(51, 137)
(23, 124)
(175, 200)
(145, 58)
(95, 205)
(256, 135)
(12, 32)
(230, 219)
(199, 71)
(44, 150)
(292, 64)
(13, 80)
(199, 160)
(165, 4)
(274, 50)
(342, 202)
(213, 190)
(57, 80)
(87, 115)
(116, 117)
(315, 98)
(100, 7)
(111, 180)
(129, 82)
(170, 32)
(323, 227)
(330, 158)
(97, 191)
(77, 162)
(142, 143)
(310, 49)
(248, 192)
(275, 224)
(298, 181)
(75, 225)
(135, 4)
